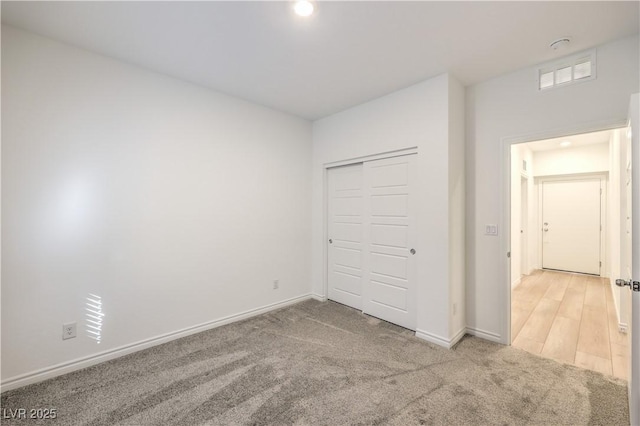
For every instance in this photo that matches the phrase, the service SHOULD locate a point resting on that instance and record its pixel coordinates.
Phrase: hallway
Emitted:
(570, 318)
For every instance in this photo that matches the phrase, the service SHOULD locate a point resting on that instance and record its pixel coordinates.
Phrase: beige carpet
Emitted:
(326, 364)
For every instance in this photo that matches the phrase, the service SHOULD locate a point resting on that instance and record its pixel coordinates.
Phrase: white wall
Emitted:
(413, 117)
(507, 108)
(457, 208)
(583, 159)
(176, 204)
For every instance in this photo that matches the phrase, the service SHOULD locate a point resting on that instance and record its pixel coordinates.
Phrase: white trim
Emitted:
(517, 282)
(459, 335)
(432, 338)
(483, 334)
(371, 157)
(318, 297)
(325, 231)
(79, 363)
(567, 132)
(604, 174)
(505, 246)
(439, 340)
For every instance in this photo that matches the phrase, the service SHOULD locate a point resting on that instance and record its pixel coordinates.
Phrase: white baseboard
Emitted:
(318, 297)
(516, 283)
(439, 340)
(84, 362)
(459, 335)
(487, 335)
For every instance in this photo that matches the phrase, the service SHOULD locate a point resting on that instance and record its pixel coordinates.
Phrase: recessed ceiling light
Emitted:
(560, 43)
(565, 143)
(303, 8)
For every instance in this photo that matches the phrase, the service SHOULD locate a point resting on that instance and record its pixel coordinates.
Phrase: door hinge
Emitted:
(633, 285)
(508, 254)
(601, 264)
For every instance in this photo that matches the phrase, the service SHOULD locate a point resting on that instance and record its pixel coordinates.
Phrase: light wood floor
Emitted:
(570, 318)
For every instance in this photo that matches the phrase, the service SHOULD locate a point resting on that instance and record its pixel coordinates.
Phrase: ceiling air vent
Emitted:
(567, 71)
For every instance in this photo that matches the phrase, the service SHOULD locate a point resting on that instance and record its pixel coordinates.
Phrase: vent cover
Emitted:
(567, 71)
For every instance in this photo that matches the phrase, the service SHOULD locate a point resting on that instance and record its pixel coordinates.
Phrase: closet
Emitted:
(370, 248)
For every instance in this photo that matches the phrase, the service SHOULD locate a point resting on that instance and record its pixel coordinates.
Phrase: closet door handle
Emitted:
(412, 251)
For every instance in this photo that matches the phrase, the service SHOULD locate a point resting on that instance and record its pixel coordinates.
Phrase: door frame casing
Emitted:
(525, 219)
(505, 201)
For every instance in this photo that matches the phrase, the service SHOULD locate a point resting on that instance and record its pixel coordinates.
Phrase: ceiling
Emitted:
(345, 54)
(576, 141)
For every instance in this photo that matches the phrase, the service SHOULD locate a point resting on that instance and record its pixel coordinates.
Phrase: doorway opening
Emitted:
(567, 198)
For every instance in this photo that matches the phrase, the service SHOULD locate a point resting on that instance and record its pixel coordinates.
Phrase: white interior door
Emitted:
(632, 255)
(626, 248)
(571, 225)
(389, 283)
(345, 231)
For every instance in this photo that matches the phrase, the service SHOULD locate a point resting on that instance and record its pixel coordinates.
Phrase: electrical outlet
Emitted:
(276, 284)
(491, 230)
(68, 330)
